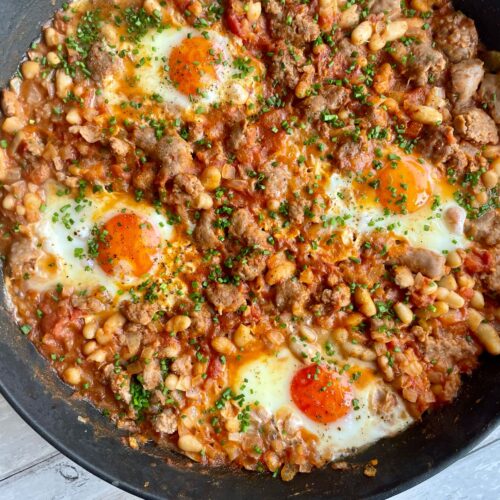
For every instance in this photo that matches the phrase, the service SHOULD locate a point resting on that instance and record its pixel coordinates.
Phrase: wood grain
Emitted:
(31, 469)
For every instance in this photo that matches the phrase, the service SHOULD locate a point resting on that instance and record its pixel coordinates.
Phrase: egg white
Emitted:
(266, 381)
(63, 233)
(424, 228)
(151, 72)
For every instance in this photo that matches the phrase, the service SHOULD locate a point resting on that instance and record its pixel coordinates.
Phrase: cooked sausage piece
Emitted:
(456, 36)
(427, 262)
(475, 125)
(489, 93)
(465, 79)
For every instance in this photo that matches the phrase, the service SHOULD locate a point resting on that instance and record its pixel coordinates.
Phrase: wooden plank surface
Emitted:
(31, 469)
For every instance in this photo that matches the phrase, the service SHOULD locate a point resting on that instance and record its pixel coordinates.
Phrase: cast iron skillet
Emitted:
(43, 401)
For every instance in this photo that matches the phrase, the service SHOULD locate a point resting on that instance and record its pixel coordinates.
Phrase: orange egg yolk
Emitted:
(128, 245)
(320, 394)
(405, 186)
(192, 65)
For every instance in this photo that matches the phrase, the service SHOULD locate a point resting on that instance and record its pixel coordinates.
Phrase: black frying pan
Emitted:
(43, 400)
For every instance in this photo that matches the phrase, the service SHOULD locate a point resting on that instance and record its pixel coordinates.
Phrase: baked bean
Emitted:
(403, 277)
(405, 314)
(442, 293)
(254, 10)
(477, 300)
(422, 5)
(307, 333)
(489, 338)
(89, 347)
(492, 152)
(480, 199)
(394, 30)
(171, 381)
(466, 281)
(495, 165)
(490, 179)
(454, 300)
(425, 114)
(449, 282)
(377, 42)
(364, 302)
(474, 319)
(90, 328)
(72, 375)
(341, 336)
(30, 70)
(52, 37)
(178, 323)
(103, 337)
(223, 345)
(9, 202)
(440, 308)
(114, 324)
(354, 319)
(243, 336)
(361, 34)
(73, 117)
(98, 356)
(64, 83)
(53, 59)
(385, 368)
(211, 178)
(189, 444)
(453, 259)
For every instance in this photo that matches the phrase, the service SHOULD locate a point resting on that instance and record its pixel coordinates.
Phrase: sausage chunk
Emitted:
(427, 262)
(465, 79)
(171, 151)
(477, 126)
(486, 229)
(244, 227)
(139, 313)
(204, 233)
(293, 23)
(101, 62)
(225, 298)
(456, 36)
(489, 93)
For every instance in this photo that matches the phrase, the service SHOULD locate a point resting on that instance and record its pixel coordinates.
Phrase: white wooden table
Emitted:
(31, 469)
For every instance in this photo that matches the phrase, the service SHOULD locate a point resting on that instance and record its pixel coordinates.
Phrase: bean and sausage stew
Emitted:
(262, 233)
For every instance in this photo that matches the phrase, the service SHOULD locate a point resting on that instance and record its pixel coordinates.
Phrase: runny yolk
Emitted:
(128, 245)
(320, 394)
(404, 187)
(191, 65)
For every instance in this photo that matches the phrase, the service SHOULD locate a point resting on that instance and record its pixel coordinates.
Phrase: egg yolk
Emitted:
(404, 187)
(128, 244)
(320, 394)
(192, 65)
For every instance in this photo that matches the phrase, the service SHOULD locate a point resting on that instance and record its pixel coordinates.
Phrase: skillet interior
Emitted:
(42, 400)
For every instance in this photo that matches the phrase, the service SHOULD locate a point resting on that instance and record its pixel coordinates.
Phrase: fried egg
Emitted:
(405, 196)
(347, 408)
(188, 70)
(106, 240)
